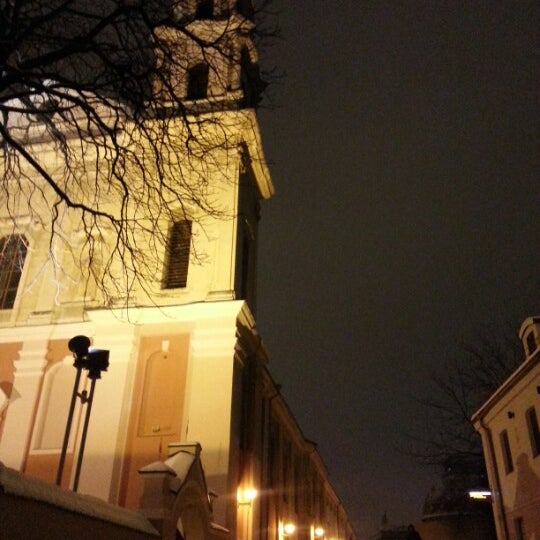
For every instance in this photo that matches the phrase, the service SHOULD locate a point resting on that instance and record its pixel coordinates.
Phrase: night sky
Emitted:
(402, 144)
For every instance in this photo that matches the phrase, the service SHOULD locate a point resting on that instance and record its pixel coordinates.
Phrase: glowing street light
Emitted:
(289, 529)
(246, 495)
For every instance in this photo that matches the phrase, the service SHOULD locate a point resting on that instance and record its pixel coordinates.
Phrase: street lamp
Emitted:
(94, 361)
(246, 496)
(289, 529)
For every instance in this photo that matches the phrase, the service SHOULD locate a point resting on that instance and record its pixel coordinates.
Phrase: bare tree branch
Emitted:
(98, 131)
(457, 391)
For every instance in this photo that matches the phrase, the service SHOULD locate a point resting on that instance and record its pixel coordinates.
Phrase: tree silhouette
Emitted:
(458, 390)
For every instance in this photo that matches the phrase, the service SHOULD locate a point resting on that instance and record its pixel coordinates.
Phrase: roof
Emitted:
(527, 366)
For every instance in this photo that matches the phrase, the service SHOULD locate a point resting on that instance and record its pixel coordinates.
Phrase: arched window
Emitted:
(12, 255)
(177, 256)
(197, 83)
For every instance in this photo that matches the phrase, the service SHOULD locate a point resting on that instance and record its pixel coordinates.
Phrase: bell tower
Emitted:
(210, 74)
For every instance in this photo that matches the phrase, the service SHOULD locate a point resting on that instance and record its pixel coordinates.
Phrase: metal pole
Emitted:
(84, 432)
(68, 427)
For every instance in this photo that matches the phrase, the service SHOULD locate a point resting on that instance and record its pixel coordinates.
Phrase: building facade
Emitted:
(508, 424)
(187, 367)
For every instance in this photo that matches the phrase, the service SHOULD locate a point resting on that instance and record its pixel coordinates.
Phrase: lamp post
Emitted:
(94, 361)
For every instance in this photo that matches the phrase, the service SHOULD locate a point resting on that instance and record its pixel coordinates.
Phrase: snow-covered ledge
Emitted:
(16, 488)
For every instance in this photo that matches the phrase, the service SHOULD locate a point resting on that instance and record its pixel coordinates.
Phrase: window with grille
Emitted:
(177, 256)
(12, 255)
(197, 81)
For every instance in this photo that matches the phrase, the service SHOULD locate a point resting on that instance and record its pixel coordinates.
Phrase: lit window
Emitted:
(197, 81)
(506, 452)
(177, 256)
(12, 255)
(534, 431)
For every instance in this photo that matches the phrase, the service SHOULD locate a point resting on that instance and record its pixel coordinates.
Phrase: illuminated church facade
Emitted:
(187, 425)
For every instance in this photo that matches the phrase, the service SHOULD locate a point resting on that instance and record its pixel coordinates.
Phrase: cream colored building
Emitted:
(187, 366)
(508, 424)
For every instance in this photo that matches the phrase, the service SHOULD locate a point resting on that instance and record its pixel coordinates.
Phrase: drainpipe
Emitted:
(500, 515)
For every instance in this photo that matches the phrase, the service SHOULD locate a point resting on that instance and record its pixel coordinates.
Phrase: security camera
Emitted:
(97, 361)
(79, 346)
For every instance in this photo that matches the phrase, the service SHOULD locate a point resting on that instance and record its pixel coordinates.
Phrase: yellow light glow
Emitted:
(289, 528)
(318, 532)
(246, 495)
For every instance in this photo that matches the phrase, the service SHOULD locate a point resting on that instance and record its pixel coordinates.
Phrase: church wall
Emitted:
(55, 286)
(139, 407)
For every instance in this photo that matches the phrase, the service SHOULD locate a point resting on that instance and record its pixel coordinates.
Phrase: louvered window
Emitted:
(12, 256)
(177, 257)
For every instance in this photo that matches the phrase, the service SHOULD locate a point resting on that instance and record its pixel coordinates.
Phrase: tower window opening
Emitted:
(205, 9)
(13, 249)
(197, 83)
(245, 76)
(177, 255)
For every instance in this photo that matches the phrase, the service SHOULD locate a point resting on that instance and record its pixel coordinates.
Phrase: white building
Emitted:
(508, 424)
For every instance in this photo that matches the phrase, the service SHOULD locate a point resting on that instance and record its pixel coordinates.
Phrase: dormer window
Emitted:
(205, 9)
(197, 81)
(12, 255)
(177, 255)
(529, 334)
(531, 343)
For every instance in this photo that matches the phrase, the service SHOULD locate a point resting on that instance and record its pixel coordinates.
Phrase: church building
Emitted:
(187, 425)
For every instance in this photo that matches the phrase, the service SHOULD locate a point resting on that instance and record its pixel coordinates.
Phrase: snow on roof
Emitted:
(18, 484)
(177, 465)
(180, 463)
(217, 527)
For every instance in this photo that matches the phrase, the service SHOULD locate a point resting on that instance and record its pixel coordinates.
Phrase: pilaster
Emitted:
(107, 432)
(19, 419)
(209, 400)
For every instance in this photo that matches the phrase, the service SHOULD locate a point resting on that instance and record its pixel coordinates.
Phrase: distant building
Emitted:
(459, 509)
(188, 384)
(456, 509)
(392, 533)
(508, 424)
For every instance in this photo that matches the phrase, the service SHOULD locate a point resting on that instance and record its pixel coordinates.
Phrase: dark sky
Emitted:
(402, 147)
